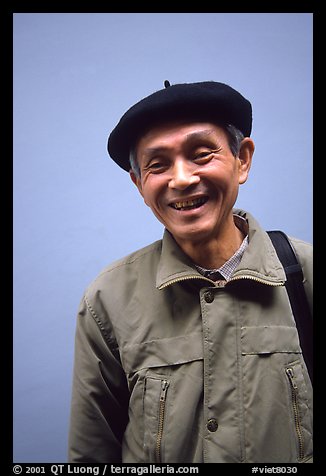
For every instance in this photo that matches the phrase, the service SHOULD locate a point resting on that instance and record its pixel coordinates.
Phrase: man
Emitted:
(187, 350)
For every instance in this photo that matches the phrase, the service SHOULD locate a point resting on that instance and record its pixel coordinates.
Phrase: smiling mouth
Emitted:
(189, 204)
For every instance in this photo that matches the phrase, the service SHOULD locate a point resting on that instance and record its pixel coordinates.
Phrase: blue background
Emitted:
(75, 211)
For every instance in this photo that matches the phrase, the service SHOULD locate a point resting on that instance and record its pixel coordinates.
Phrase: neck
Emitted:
(213, 253)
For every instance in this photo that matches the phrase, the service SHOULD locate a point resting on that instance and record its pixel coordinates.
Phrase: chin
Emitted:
(193, 235)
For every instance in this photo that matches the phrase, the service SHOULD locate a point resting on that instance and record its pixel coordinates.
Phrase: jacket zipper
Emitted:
(236, 278)
(185, 278)
(161, 412)
(258, 280)
(295, 406)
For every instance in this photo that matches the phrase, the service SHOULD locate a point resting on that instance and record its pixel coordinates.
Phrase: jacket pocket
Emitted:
(165, 380)
(269, 340)
(154, 408)
(277, 415)
(162, 352)
(299, 405)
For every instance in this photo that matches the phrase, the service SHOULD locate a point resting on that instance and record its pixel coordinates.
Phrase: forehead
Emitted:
(175, 133)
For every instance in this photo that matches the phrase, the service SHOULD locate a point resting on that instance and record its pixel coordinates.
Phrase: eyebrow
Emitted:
(199, 135)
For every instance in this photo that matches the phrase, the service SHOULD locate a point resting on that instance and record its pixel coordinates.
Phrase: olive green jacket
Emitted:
(172, 367)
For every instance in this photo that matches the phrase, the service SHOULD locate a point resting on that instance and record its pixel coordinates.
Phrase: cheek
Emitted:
(221, 178)
(150, 192)
(149, 197)
(146, 197)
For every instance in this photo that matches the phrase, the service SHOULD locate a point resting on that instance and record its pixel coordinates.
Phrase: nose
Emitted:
(182, 175)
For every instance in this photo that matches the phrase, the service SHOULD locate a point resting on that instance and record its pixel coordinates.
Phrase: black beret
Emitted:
(204, 101)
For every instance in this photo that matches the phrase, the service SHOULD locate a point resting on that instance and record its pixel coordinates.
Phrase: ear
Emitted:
(136, 180)
(247, 149)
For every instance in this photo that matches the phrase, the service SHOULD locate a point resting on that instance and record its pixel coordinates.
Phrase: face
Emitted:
(190, 179)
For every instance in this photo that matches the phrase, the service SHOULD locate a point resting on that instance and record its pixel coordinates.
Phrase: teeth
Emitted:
(188, 203)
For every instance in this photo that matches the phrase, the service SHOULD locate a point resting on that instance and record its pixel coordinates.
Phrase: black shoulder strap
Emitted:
(297, 295)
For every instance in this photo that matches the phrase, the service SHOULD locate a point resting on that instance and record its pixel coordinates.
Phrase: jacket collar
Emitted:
(259, 262)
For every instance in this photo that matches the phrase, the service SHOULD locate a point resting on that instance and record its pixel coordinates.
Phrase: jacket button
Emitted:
(209, 296)
(212, 424)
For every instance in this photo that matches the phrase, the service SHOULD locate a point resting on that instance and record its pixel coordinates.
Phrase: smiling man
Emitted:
(187, 350)
(189, 178)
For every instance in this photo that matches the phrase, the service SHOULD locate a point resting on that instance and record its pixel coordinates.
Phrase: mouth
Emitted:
(190, 204)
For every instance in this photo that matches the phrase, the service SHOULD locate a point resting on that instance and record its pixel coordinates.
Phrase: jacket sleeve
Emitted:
(304, 253)
(99, 407)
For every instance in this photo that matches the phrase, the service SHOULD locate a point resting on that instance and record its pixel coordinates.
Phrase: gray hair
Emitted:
(235, 138)
(133, 162)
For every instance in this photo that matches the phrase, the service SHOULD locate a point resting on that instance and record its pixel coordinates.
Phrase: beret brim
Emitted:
(204, 101)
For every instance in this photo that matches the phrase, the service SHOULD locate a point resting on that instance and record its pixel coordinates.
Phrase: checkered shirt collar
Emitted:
(227, 269)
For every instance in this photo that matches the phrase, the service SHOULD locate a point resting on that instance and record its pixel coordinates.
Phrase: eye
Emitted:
(203, 156)
(156, 166)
